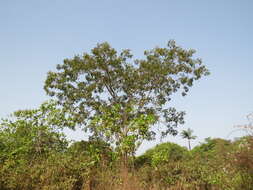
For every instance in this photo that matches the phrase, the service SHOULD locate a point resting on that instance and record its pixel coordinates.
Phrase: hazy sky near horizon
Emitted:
(37, 35)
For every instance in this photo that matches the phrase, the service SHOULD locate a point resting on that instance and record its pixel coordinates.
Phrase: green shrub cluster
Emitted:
(38, 157)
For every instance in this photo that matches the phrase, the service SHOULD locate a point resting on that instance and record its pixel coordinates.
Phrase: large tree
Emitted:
(121, 99)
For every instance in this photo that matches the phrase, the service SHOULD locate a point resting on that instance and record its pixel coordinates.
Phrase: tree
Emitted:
(27, 139)
(162, 153)
(187, 134)
(31, 133)
(119, 99)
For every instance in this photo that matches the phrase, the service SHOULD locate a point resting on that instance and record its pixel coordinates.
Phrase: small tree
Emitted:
(119, 99)
(187, 134)
(165, 152)
(35, 132)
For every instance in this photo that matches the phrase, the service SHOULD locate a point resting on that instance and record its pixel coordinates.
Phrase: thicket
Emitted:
(40, 158)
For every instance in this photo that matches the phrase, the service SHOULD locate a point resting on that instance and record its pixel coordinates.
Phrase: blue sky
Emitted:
(37, 35)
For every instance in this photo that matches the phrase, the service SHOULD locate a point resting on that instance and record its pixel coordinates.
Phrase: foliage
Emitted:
(32, 133)
(161, 154)
(119, 99)
(242, 160)
(215, 164)
(213, 146)
(98, 151)
(35, 154)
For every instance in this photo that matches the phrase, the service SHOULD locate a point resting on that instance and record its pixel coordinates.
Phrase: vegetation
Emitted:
(118, 99)
(119, 102)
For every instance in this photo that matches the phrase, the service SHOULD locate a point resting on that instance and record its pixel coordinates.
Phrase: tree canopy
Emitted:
(118, 98)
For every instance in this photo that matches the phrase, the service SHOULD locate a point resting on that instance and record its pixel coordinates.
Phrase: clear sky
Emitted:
(37, 35)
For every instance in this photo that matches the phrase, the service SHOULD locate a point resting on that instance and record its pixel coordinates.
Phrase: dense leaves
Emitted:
(162, 153)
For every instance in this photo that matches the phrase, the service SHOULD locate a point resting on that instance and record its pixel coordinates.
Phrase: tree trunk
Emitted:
(189, 144)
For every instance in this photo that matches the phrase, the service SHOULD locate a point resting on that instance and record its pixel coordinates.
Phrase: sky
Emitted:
(35, 36)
